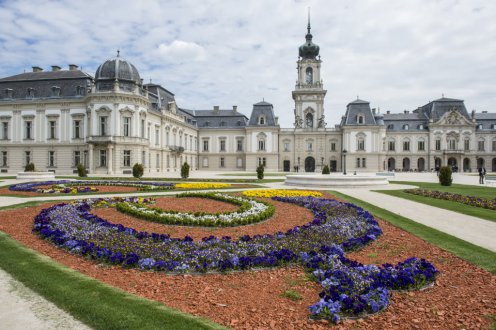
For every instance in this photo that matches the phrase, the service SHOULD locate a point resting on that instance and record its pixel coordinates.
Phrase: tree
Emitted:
(185, 170)
(81, 170)
(138, 170)
(260, 171)
(29, 168)
(445, 178)
(326, 170)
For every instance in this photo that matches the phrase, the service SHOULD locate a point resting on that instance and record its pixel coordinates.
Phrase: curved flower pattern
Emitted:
(83, 186)
(268, 193)
(349, 288)
(468, 200)
(250, 211)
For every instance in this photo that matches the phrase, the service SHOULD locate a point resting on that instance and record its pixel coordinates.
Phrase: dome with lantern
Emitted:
(117, 70)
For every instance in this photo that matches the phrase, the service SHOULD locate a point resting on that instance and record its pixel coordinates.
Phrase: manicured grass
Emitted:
(16, 206)
(462, 189)
(254, 174)
(472, 253)
(94, 303)
(444, 204)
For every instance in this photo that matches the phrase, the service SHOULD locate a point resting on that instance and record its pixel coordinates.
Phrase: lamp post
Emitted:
(344, 161)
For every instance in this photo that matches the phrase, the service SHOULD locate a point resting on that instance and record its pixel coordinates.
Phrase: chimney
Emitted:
(37, 69)
(388, 112)
(406, 112)
(485, 111)
(56, 68)
(235, 108)
(373, 111)
(473, 114)
(73, 67)
(216, 108)
(277, 120)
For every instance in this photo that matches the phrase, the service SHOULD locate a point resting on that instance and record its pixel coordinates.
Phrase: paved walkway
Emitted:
(23, 309)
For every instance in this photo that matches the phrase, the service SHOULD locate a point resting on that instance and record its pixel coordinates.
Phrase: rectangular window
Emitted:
(480, 145)
(103, 126)
(143, 158)
(205, 145)
(286, 146)
(466, 145)
(239, 162)
(358, 162)
(438, 145)
(51, 159)
(77, 129)
(239, 145)
(157, 137)
(333, 146)
(262, 161)
(205, 162)
(27, 157)
(222, 146)
(391, 145)
(406, 145)
(5, 158)
(361, 145)
(127, 158)
(309, 146)
(28, 130)
(421, 145)
(261, 145)
(52, 127)
(494, 145)
(5, 130)
(364, 162)
(222, 162)
(142, 129)
(103, 158)
(158, 161)
(127, 126)
(77, 157)
(452, 144)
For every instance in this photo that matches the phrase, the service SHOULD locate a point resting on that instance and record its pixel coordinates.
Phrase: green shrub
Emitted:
(445, 178)
(81, 170)
(185, 170)
(138, 170)
(29, 168)
(326, 170)
(260, 172)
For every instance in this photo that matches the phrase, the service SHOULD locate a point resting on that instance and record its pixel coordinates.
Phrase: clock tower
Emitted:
(309, 92)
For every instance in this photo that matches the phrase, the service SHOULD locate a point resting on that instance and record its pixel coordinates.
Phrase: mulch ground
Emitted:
(463, 297)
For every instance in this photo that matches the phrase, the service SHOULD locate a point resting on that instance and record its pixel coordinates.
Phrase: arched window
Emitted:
(309, 120)
(405, 127)
(360, 119)
(420, 127)
(261, 120)
(360, 143)
(309, 76)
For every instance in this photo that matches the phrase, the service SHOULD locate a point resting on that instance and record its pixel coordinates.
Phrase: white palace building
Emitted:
(59, 118)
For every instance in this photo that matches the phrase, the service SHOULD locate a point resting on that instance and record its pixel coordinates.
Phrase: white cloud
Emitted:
(181, 51)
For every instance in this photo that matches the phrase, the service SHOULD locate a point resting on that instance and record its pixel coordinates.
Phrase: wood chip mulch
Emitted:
(463, 297)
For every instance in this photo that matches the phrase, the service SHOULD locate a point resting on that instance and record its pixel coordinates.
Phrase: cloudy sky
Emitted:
(396, 54)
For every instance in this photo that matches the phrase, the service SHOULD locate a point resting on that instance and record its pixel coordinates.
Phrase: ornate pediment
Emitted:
(453, 118)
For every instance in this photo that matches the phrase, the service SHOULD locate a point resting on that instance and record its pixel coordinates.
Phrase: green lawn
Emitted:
(471, 253)
(254, 174)
(94, 303)
(448, 205)
(462, 189)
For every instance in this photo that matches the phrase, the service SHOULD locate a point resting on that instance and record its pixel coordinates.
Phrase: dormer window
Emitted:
(405, 127)
(9, 92)
(390, 126)
(238, 123)
(222, 123)
(420, 127)
(30, 92)
(261, 120)
(207, 124)
(55, 91)
(79, 90)
(479, 126)
(360, 119)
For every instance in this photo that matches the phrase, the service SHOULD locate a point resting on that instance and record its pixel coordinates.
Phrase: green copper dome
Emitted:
(309, 50)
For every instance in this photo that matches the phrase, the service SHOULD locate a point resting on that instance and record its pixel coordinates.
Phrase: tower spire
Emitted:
(308, 26)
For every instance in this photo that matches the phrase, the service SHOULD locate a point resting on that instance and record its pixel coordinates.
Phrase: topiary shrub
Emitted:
(138, 170)
(185, 170)
(260, 172)
(81, 170)
(29, 168)
(326, 170)
(445, 178)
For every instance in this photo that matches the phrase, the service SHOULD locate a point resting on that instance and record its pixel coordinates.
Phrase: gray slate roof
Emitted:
(218, 118)
(437, 108)
(262, 108)
(353, 109)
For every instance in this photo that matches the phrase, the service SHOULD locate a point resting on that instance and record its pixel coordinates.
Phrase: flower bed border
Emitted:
(484, 203)
(243, 216)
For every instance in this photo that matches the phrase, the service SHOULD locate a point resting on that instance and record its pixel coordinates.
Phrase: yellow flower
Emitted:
(280, 193)
(201, 185)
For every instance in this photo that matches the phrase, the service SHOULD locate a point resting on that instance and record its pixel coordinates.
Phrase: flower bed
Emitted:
(250, 211)
(349, 288)
(202, 185)
(468, 200)
(84, 186)
(280, 193)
